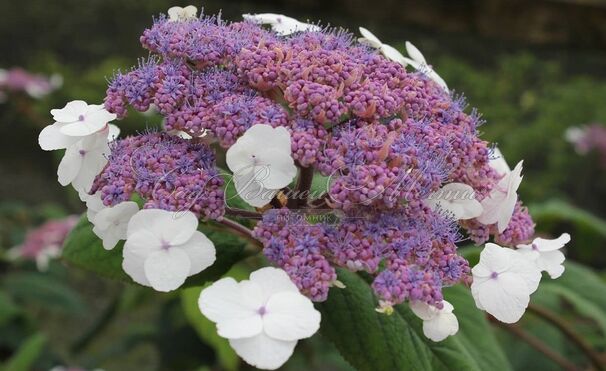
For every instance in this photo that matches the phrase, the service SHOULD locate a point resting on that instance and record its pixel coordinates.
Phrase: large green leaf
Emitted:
(373, 341)
(84, 249)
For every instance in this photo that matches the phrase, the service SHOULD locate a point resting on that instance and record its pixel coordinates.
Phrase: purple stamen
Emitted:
(81, 118)
(494, 275)
(262, 311)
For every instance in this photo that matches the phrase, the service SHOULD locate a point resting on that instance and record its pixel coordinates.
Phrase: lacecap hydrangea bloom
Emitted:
(407, 177)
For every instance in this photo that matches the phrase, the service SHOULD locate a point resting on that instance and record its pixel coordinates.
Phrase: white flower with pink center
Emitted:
(503, 281)
(263, 317)
(163, 248)
(546, 254)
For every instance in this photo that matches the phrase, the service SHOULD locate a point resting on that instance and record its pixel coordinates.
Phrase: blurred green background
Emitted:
(533, 69)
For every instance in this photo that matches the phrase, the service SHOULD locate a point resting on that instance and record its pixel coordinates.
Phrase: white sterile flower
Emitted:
(438, 324)
(503, 281)
(457, 199)
(391, 53)
(110, 223)
(263, 317)
(163, 248)
(83, 161)
(177, 13)
(79, 119)
(281, 24)
(499, 204)
(498, 163)
(262, 164)
(549, 257)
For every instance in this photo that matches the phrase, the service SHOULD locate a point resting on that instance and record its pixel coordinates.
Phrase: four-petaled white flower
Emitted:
(499, 204)
(263, 317)
(503, 281)
(110, 223)
(457, 199)
(281, 24)
(163, 248)
(177, 13)
(391, 53)
(546, 254)
(262, 164)
(83, 161)
(78, 119)
(438, 324)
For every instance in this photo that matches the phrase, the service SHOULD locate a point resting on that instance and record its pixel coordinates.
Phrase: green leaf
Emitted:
(85, 250)
(557, 210)
(27, 354)
(582, 288)
(373, 341)
(43, 291)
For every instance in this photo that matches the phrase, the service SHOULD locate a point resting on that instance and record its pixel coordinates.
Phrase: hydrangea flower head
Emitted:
(406, 177)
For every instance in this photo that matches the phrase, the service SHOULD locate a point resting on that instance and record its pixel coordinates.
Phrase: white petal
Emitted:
(498, 163)
(393, 54)
(369, 38)
(433, 75)
(167, 270)
(201, 252)
(51, 138)
(493, 258)
(526, 269)
(233, 307)
(71, 112)
(92, 123)
(505, 297)
(70, 165)
(263, 352)
(423, 310)
(190, 11)
(290, 316)
(551, 262)
(272, 281)
(172, 227)
(414, 53)
(133, 263)
(114, 132)
(111, 222)
(94, 204)
(275, 169)
(440, 327)
(251, 191)
(543, 244)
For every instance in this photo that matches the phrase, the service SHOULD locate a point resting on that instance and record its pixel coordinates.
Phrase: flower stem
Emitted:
(241, 230)
(301, 193)
(568, 330)
(537, 344)
(231, 211)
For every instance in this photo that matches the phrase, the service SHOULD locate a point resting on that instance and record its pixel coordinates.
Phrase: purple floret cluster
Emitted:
(168, 172)
(384, 137)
